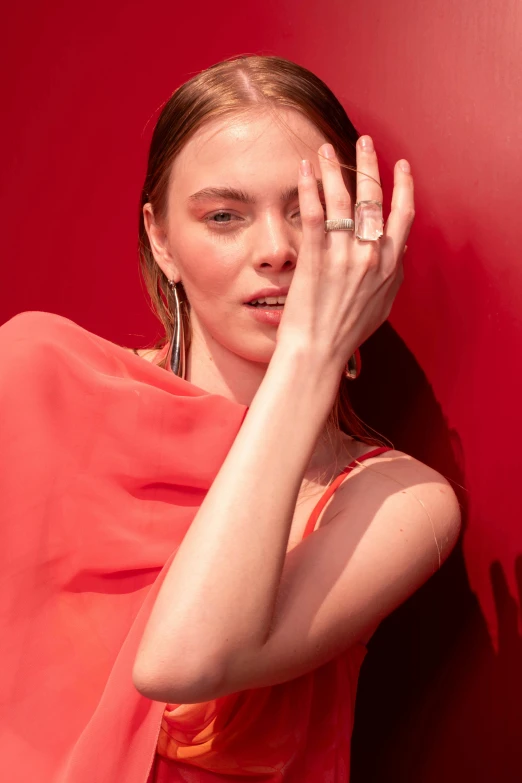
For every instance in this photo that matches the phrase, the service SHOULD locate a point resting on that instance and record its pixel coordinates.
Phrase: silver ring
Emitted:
(341, 224)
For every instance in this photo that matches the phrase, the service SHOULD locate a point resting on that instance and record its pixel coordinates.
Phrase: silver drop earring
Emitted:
(177, 346)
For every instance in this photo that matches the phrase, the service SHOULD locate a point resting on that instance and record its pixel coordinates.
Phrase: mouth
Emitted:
(265, 306)
(267, 313)
(268, 303)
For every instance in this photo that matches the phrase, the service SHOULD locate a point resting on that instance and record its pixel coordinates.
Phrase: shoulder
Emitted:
(29, 335)
(40, 327)
(399, 520)
(395, 487)
(32, 322)
(34, 347)
(35, 339)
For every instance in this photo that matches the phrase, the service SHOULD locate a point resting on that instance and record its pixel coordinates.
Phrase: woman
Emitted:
(231, 644)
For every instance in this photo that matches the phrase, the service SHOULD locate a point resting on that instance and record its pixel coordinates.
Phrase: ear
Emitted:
(159, 244)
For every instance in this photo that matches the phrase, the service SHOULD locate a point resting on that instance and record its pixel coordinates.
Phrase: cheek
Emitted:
(210, 269)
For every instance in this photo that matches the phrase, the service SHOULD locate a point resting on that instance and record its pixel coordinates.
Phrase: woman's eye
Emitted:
(216, 218)
(224, 218)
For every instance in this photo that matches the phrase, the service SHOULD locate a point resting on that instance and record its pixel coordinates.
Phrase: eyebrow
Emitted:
(232, 194)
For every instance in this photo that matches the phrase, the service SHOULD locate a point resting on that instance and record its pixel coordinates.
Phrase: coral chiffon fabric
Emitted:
(105, 459)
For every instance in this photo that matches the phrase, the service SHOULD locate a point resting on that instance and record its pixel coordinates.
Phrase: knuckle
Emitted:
(368, 266)
(341, 201)
(408, 214)
(369, 254)
(313, 217)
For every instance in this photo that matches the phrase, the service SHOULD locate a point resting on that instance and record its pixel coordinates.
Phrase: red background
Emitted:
(440, 695)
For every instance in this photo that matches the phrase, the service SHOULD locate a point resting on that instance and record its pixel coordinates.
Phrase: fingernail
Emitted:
(329, 151)
(405, 166)
(306, 168)
(367, 143)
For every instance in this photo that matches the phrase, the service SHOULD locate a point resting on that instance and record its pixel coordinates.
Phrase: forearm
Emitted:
(219, 594)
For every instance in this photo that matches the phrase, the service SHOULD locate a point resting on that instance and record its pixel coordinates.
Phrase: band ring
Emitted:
(341, 224)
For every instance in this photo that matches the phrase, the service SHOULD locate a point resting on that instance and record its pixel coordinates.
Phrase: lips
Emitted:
(264, 292)
(270, 316)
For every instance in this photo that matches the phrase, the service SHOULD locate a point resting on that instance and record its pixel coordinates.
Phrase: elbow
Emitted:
(177, 683)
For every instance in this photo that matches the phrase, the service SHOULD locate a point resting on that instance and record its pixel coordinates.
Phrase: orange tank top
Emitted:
(295, 732)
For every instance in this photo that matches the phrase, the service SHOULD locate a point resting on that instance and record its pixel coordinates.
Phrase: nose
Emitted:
(275, 244)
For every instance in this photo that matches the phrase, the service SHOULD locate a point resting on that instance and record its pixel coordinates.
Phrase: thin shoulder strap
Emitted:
(327, 494)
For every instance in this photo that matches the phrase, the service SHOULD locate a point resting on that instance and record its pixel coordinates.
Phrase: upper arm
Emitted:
(383, 542)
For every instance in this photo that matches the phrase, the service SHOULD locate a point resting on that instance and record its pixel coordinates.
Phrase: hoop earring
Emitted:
(177, 345)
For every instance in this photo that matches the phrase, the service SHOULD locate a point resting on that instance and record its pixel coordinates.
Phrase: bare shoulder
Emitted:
(394, 463)
(395, 487)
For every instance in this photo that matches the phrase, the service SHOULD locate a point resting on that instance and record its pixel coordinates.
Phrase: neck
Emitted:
(210, 366)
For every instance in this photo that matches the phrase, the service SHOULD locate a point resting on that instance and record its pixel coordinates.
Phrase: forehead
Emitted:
(243, 146)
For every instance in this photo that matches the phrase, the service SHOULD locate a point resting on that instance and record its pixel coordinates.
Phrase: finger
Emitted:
(402, 212)
(310, 207)
(336, 195)
(368, 179)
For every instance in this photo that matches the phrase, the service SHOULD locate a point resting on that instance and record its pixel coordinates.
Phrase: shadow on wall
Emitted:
(435, 701)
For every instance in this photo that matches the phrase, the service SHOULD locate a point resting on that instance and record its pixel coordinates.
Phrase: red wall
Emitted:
(440, 695)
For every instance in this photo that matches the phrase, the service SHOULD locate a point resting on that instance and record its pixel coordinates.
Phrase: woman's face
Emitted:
(224, 249)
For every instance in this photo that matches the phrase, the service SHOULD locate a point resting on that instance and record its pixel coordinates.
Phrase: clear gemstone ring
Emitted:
(369, 224)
